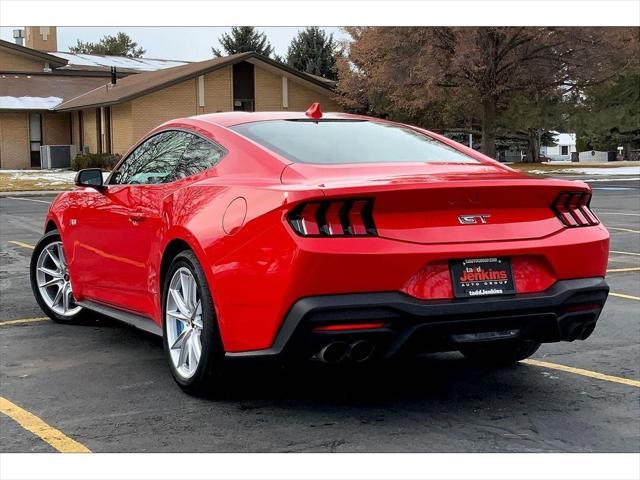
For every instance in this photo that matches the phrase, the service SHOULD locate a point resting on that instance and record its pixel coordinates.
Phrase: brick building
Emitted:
(58, 98)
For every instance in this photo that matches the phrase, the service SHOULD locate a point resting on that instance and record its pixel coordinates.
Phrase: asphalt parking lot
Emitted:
(106, 386)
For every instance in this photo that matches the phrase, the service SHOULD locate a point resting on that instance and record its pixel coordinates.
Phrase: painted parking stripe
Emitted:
(22, 321)
(29, 200)
(22, 244)
(38, 427)
(618, 270)
(623, 229)
(624, 295)
(618, 213)
(583, 372)
(624, 253)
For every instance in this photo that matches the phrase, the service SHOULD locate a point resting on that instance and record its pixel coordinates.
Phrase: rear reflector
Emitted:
(334, 218)
(339, 327)
(572, 208)
(581, 307)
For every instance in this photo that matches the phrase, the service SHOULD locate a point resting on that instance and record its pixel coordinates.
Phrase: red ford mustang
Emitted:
(335, 237)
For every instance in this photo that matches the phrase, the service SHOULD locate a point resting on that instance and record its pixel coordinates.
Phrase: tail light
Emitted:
(572, 208)
(334, 218)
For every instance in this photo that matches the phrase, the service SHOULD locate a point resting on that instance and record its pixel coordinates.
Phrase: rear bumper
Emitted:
(566, 311)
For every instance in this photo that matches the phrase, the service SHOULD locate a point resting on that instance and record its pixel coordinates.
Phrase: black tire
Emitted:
(501, 354)
(50, 237)
(203, 381)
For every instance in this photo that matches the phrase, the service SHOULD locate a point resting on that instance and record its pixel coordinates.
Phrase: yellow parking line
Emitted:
(617, 270)
(624, 295)
(584, 373)
(625, 253)
(623, 229)
(22, 244)
(23, 320)
(35, 425)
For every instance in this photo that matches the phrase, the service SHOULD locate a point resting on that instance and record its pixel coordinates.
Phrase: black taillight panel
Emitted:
(334, 218)
(573, 209)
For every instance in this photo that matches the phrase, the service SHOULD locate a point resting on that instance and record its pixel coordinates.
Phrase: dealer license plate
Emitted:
(481, 277)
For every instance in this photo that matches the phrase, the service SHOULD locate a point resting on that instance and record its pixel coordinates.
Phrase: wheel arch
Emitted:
(179, 241)
(50, 225)
(172, 249)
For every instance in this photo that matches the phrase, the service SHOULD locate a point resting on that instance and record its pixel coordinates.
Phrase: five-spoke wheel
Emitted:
(183, 317)
(50, 280)
(191, 338)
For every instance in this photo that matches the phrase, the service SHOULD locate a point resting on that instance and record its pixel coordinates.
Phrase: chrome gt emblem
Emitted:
(473, 219)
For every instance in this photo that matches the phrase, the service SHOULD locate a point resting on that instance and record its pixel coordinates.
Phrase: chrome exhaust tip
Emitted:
(333, 352)
(361, 351)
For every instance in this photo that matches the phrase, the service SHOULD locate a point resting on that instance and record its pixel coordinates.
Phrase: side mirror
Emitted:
(90, 177)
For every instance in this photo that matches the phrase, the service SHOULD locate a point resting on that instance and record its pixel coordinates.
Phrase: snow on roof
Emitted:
(29, 103)
(106, 61)
(564, 138)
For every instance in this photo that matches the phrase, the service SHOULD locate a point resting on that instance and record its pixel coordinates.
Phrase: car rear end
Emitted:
(437, 256)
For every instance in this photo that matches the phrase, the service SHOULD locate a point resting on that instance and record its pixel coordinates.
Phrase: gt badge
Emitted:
(473, 219)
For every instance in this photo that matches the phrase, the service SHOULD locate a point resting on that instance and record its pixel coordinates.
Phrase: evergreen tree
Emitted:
(243, 39)
(121, 45)
(609, 115)
(312, 51)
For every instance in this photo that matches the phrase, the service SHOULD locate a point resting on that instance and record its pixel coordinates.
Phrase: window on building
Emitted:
(243, 87)
(98, 130)
(564, 150)
(35, 138)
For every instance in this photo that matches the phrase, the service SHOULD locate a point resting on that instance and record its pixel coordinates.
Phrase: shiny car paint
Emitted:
(234, 218)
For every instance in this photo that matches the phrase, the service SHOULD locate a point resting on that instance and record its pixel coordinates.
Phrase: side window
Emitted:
(199, 155)
(155, 160)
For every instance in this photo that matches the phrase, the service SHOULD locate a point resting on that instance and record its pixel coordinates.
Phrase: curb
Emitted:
(31, 193)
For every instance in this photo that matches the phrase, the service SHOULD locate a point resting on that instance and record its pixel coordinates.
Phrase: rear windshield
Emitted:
(340, 141)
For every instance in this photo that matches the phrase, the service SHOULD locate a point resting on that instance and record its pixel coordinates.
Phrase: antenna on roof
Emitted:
(314, 111)
(114, 77)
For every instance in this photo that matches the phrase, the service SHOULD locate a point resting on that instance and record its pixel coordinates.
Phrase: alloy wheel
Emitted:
(183, 320)
(53, 280)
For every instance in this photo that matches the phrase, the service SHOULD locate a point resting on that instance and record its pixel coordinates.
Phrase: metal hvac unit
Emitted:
(57, 156)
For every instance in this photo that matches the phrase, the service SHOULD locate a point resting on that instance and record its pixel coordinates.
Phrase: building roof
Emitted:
(141, 84)
(229, 119)
(564, 138)
(24, 91)
(53, 60)
(91, 62)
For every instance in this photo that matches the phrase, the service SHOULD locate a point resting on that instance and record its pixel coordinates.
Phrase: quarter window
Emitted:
(155, 160)
(199, 155)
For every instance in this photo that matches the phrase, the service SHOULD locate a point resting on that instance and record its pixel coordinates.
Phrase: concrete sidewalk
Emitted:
(31, 193)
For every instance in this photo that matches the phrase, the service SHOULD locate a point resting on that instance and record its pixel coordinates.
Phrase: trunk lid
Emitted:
(445, 203)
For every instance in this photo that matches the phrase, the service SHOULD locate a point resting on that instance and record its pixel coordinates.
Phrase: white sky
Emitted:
(174, 43)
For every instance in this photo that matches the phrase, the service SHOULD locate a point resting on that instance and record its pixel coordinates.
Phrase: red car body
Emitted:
(267, 280)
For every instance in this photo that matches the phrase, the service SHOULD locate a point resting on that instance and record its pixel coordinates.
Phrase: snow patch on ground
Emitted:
(41, 178)
(606, 171)
(29, 103)
(591, 171)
